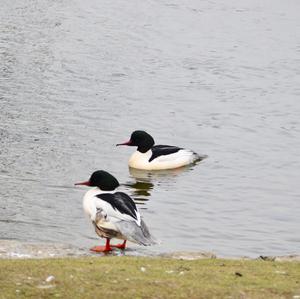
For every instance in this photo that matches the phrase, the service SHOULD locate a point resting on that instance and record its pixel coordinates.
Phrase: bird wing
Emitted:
(118, 206)
(118, 212)
(163, 150)
(136, 233)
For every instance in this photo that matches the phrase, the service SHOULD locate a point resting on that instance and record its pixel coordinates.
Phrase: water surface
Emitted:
(221, 78)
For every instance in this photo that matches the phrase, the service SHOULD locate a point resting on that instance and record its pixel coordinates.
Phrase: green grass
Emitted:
(137, 277)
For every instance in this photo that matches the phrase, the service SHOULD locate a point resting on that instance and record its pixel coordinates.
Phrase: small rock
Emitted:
(284, 258)
(183, 268)
(267, 258)
(143, 269)
(42, 286)
(170, 271)
(50, 278)
(186, 255)
(281, 272)
(287, 258)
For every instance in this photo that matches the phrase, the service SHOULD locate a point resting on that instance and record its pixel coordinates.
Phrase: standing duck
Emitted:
(157, 157)
(113, 214)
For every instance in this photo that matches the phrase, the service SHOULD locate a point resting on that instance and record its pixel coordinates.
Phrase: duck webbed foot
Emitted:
(105, 248)
(120, 246)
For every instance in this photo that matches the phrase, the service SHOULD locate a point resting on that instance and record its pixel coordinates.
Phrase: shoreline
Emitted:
(12, 249)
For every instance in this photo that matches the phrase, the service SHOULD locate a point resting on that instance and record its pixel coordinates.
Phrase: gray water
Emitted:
(219, 77)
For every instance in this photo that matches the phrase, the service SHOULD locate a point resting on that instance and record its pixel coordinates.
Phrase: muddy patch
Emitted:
(15, 249)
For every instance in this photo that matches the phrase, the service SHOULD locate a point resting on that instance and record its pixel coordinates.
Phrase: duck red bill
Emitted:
(87, 183)
(129, 142)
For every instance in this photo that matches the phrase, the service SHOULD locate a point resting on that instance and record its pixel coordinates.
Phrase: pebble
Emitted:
(42, 286)
(50, 278)
(281, 272)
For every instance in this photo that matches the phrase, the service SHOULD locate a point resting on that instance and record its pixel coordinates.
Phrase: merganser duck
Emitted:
(113, 214)
(157, 157)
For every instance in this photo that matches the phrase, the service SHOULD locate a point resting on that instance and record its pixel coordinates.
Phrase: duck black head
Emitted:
(103, 180)
(141, 139)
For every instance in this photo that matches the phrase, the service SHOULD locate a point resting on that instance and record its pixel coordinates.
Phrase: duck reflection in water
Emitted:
(145, 180)
(140, 189)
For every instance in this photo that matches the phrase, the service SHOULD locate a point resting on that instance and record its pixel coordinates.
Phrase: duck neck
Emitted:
(146, 145)
(143, 149)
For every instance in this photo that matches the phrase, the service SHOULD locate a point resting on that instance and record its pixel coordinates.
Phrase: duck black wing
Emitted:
(120, 202)
(163, 150)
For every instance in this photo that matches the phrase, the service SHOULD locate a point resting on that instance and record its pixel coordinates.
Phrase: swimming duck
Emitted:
(157, 157)
(113, 214)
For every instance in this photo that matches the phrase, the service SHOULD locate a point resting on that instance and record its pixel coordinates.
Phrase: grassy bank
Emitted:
(131, 277)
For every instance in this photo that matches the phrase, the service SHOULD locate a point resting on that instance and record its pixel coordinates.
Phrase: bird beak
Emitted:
(87, 183)
(129, 142)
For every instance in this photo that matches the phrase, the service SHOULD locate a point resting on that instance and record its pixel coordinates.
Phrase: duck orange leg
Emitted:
(120, 246)
(105, 248)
